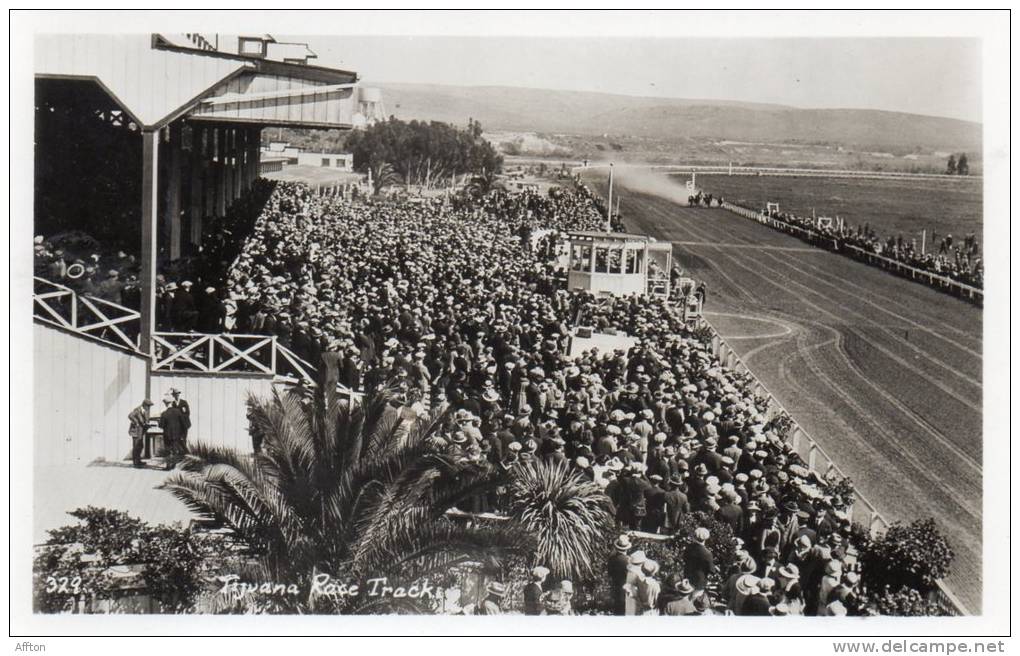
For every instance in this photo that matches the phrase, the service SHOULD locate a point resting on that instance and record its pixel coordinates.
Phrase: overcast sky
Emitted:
(935, 76)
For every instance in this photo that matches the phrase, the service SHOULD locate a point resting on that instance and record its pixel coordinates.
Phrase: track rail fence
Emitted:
(944, 283)
(862, 511)
(717, 169)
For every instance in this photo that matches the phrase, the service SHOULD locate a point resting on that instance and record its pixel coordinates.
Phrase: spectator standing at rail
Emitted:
(184, 312)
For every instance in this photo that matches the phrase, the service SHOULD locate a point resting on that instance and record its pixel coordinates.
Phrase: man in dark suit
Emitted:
(183, 310)
(632, 508)
(139, 423)
(732, 513)
(655, 503)
(618, 566)
(185, 409)
(677, 504)
(757, 604)
(698, 560)
(180, 403)
(174, 424)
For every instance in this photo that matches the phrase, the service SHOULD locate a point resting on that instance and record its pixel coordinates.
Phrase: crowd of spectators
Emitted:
(455, 302)
(960, 261)
(460, 302)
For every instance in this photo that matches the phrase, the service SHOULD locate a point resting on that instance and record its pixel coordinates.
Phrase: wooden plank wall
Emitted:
(217, 404)
(82, 394)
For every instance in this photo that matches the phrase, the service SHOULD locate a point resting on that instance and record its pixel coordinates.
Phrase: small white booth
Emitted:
(619, 263)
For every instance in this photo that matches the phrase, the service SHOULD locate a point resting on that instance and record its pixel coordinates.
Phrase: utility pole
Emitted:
(609, 207)
(923, 235)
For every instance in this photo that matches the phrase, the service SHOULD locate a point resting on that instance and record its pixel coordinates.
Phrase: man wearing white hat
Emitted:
(698, 560)
(618, 567)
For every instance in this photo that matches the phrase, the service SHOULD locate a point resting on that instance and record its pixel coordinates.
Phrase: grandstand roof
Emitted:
(157, 79)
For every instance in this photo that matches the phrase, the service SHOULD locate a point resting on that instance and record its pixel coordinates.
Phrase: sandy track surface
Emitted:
(884, 373)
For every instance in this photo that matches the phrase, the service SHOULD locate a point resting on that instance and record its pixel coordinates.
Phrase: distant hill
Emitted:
(585, 113)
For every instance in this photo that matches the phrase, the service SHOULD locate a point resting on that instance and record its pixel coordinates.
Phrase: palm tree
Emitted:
(345, 489)
(567, 514)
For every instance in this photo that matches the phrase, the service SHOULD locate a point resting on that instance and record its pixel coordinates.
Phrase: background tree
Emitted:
(422, 153)
(962, 167)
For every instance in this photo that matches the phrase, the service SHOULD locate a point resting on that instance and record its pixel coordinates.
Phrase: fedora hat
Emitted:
(747, 584)
(495, 588)
(638, 558)
(622, 543)
(683, 586)
(790, 571)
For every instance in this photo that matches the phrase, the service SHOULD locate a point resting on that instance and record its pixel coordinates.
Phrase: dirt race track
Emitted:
(884, 373)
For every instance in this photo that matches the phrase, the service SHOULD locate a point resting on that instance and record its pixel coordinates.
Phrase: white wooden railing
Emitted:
(92, 317)
(194, 353)
(199, 353)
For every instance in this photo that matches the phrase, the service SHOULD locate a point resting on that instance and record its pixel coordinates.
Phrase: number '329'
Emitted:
(63, 585)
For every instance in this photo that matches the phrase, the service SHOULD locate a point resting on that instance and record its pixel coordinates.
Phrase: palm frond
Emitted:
(566, 512)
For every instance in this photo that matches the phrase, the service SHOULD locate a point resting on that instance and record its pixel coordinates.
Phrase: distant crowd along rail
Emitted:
(835, 244)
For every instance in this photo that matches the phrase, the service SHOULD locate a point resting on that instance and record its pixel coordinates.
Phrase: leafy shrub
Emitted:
(905, 602)
(841, 488)
(670, 554)
(913, 556)
(74, 564)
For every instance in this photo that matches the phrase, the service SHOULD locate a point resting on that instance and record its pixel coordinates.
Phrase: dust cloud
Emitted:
(644, 180)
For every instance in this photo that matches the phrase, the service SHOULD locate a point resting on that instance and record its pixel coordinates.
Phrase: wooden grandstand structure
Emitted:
(188, 118)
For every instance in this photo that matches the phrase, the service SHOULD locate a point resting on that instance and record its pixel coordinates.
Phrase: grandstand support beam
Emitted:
(240, 144)
(150, 218)
(197, 165)
(220, 207)
(173, 191)
(254, 155)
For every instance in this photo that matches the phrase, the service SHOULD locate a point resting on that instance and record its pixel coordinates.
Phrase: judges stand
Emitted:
(618, 264)
(613, 264)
